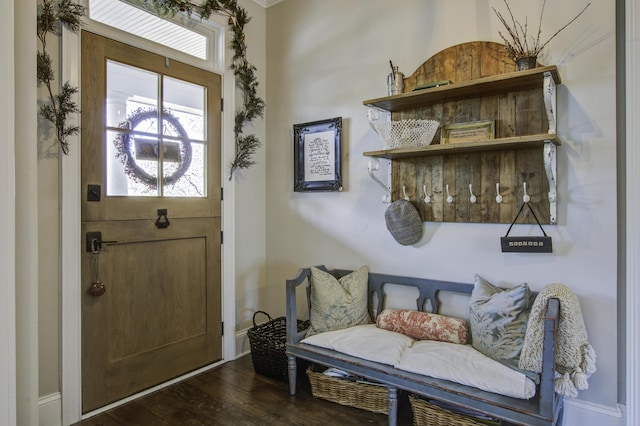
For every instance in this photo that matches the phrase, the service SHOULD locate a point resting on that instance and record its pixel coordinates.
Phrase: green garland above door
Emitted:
(52, 16)
(253, 106)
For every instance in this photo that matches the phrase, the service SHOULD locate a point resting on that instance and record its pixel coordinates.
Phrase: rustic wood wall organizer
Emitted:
(484, 181)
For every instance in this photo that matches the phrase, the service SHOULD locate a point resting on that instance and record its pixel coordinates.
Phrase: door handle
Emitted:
(94, 242)
(162, 213)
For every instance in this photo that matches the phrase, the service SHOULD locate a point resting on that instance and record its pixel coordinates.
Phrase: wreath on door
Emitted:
(127, 149)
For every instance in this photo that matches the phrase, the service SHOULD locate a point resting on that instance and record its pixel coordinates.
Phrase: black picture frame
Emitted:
(317, 152)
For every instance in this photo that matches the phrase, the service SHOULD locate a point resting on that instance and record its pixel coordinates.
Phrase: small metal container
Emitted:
(395, 82)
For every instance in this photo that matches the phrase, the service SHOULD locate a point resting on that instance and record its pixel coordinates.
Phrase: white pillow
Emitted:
(364, 341)
(465, 365)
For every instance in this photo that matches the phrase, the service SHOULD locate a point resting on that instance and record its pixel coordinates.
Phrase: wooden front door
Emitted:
(151, 220)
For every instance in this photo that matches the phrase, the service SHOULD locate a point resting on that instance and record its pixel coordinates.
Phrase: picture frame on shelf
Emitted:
(317, 152)
(471, 131)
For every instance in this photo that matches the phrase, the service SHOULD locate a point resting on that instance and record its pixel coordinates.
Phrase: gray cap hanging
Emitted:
(403, 222)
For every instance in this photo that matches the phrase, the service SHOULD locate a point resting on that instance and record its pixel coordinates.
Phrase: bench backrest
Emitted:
(428, 289)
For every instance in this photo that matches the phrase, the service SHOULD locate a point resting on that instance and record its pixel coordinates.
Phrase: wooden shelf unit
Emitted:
(485, 86)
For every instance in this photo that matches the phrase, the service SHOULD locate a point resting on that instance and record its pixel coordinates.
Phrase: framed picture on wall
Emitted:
(317, 148)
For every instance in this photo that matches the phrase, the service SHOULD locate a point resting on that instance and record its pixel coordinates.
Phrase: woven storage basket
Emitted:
(268, 344)
(426, 414)
(406, 133)
(346, 392)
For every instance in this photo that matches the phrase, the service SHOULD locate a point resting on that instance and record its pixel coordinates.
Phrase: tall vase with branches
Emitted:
(521, 45)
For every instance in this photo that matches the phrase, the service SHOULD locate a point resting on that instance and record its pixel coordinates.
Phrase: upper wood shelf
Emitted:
(516, 142)
(508, 82)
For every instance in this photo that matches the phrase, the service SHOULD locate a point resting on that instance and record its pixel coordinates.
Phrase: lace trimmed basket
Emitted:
(406, 133)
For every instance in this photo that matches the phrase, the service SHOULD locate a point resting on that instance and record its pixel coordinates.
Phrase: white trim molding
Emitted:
(267, 3)
(632, 90)
(7, 217)
(70, 219)
(50, 409)
(579, 412)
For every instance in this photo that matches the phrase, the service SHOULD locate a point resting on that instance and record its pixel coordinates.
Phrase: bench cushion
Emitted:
(364, 341)
(465, 365)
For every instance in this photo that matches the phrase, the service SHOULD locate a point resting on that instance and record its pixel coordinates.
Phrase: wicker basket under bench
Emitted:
(544, 409)
(366, 396)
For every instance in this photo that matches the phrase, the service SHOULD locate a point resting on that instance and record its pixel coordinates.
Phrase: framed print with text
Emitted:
(317, 148)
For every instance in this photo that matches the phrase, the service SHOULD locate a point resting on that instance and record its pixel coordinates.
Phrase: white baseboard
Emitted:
(50, 410)
(583, 413)
(242, 343)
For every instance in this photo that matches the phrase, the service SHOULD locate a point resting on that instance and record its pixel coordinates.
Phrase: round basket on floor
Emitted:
(268, 343)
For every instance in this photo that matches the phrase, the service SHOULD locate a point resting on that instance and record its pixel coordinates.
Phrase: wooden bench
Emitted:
(545, 408)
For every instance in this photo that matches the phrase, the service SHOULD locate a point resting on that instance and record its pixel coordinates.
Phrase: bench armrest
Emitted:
(547, 379)
(293, 336)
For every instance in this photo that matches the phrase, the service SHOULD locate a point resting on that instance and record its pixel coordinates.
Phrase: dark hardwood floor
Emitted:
(233, 394)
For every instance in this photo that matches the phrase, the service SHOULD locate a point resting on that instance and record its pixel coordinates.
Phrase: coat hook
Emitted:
(472, 198)
(498, 196)
(449, 197)
(525, 197)
(404, 192)
(427, 198)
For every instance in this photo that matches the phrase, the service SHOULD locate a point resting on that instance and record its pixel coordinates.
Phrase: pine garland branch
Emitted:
(252, 105)
(51, 18)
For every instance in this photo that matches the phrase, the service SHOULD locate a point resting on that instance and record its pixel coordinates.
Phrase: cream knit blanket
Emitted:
(575, 357)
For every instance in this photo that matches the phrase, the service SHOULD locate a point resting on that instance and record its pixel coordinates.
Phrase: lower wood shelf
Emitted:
(516, 142)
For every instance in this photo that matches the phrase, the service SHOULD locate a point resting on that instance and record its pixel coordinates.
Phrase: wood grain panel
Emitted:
(518, 113)
(157, 303)
(161, 314)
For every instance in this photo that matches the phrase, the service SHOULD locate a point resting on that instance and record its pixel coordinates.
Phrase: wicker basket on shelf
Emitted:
(405, 133)
(268, 343)
(427, 414)
(356, 394)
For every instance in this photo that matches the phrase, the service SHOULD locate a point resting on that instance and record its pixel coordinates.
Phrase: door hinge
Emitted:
(222, 328)
(221, 237)
(221, 104)
(221, 194)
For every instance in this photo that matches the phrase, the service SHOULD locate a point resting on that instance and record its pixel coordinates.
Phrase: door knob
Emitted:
(97, 288)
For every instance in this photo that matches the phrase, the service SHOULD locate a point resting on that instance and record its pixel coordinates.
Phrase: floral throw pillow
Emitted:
(498, 319)
(424, 325)
(338, 303)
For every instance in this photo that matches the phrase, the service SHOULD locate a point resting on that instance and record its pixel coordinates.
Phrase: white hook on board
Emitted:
(374, 165)
(449, 197)
(525, 197)
(427, 198)
(498, 196)
(472, 198)
(404, 192)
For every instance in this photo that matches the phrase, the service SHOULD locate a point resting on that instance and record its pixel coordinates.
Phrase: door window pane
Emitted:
(139, 149)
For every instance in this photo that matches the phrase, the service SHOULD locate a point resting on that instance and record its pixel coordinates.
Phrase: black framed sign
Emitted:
(317, 148)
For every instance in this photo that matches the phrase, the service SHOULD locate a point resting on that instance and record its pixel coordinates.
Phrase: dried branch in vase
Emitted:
(519, 43)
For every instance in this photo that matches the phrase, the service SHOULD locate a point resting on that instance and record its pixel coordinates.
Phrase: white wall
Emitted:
(326, 56)
(250, 190)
